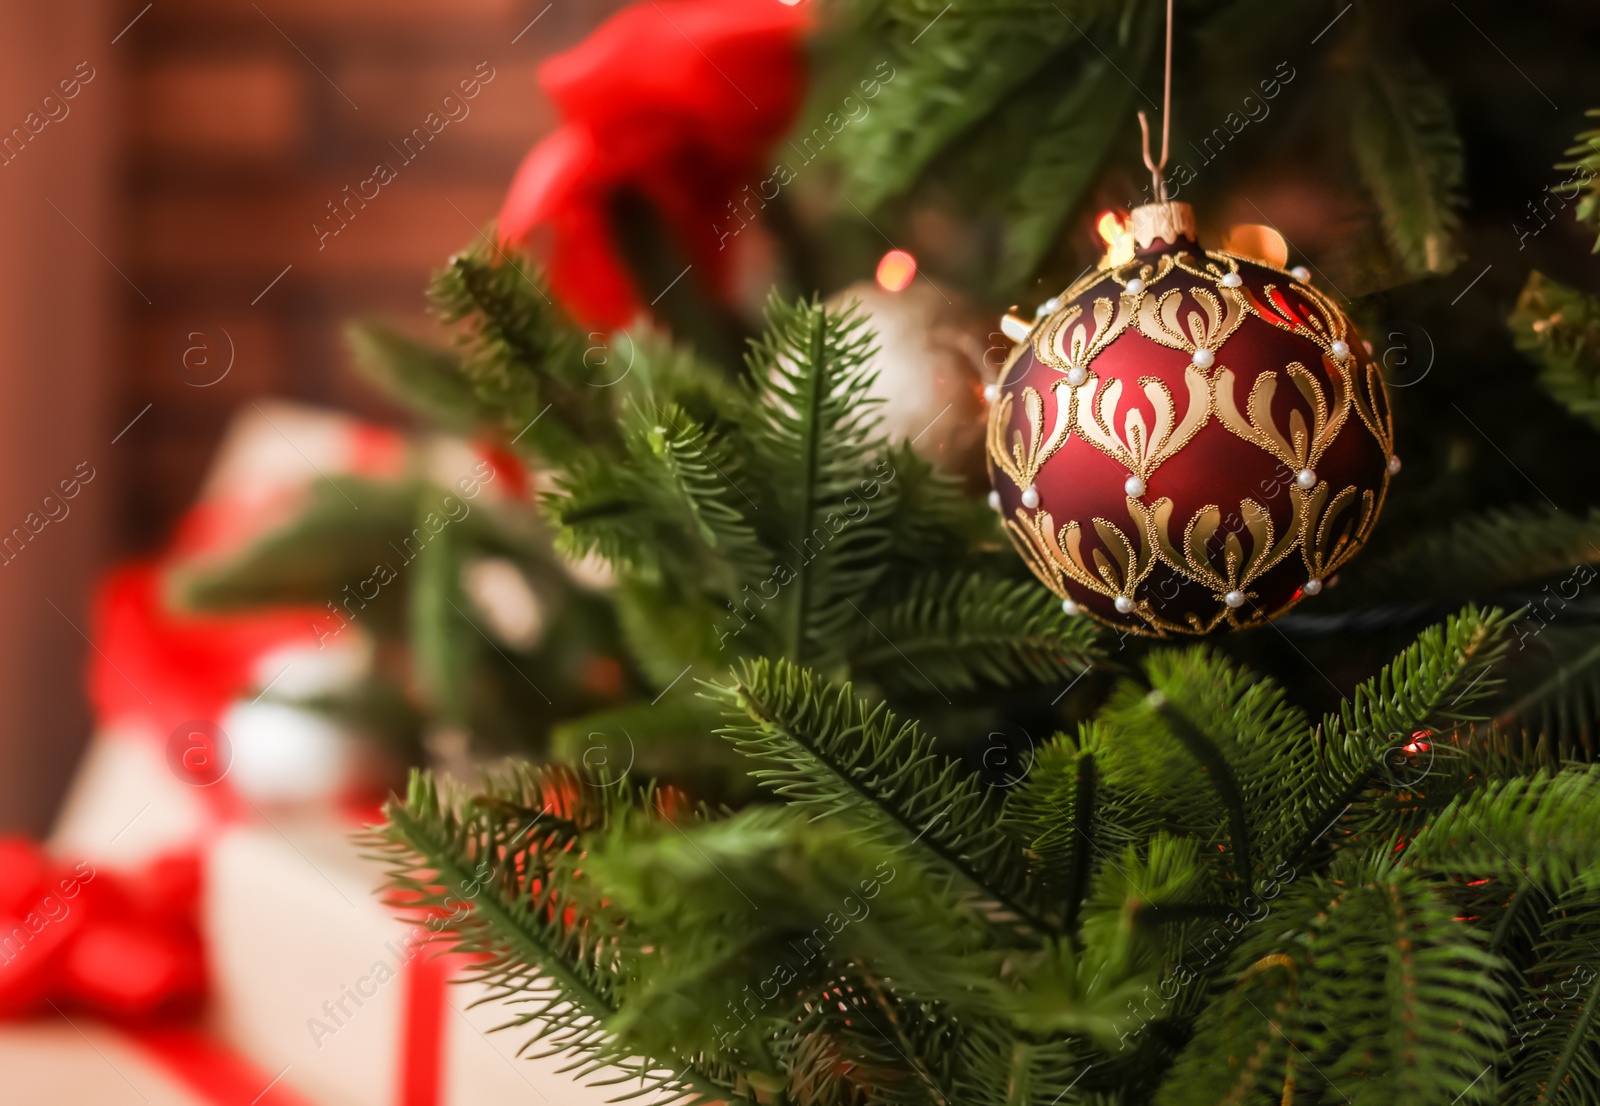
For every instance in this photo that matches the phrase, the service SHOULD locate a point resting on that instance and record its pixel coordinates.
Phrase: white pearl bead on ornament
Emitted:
(1068, 607)
(1232, 280)
(1124, 605)
(994, 501)
(1394, 465)
(1030, 497)
(1133, 287)
(1300, 273)
(1306, 479)
(1204, 358)
(1077, 375)
(1312, 586)
(1234, 599)
(991, 392)
(1133, 486)
(1340, 350)
(1049, 306)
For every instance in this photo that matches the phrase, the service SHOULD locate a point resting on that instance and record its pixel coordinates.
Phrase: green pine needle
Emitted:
(830, 753)
(1409, 156)
(1559, 328)
(954, 632)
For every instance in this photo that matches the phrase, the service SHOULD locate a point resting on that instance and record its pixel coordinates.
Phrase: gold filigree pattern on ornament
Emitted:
(1334, 530)
(1205, 541)
(1372, 406)
(1165, 264)
(1022, 459)
(1118, 568)
(1164, 318)
(1070, 339)
(1321, 321)
(1217, 266)
(1302, 446)
(1138, 447)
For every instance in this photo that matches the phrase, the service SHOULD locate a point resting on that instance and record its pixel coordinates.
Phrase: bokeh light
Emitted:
(896, 270)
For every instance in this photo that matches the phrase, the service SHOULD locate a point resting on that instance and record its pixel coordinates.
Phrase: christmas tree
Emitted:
(886, 822)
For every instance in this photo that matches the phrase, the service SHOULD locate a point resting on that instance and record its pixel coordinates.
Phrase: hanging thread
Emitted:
(1155, 167)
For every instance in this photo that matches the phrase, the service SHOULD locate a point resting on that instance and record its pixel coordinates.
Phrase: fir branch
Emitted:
(599, 508)
(1409, 156)
(1556, 1029)
(770, 903)
(1072, 130)
(524, 358)
(1356, 989)
(311, 558)
(671, 505)
(443, 641)
(1006, 1068)
(933, 522)
(1218, 774)
(1232, 725)
(945, 84)
(817, 446)
(824, 750)
(696, 477)
(1559, 328)
(1431, 686)
(673, 633)
(959, 630)
(1067, 822)
(1584, 183)
(1426, 977)
(1085, 815)
(487, 864)
(424, 378)
(858, 1044)
(1137, 892)
(664, 741)
(1482, 553)
(1557, 711)
(1518, 830)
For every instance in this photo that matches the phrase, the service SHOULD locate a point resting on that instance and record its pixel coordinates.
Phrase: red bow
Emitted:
(127, 949)
(154, 663)
(678, 100)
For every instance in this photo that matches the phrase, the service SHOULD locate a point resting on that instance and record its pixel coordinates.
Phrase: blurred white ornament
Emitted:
(504, 600)
(286, 754)
(929, 364)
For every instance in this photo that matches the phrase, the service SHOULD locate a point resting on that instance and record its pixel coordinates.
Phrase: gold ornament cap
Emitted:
(1168, 223)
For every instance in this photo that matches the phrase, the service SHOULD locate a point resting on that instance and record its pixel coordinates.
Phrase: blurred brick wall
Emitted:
(57, 297)
(242, 122)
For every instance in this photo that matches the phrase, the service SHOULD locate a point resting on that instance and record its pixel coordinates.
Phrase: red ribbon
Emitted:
(422, 1051)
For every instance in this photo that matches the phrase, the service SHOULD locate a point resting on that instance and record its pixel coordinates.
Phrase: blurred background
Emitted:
(164, 263)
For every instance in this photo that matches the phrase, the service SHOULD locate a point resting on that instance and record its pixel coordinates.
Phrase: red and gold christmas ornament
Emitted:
(1188, 439)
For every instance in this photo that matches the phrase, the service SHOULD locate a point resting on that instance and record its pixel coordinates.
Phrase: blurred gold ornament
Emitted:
(1258, 243)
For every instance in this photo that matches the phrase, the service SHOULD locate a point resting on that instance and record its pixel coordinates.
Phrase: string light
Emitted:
(1112, 227)
(896, 270)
